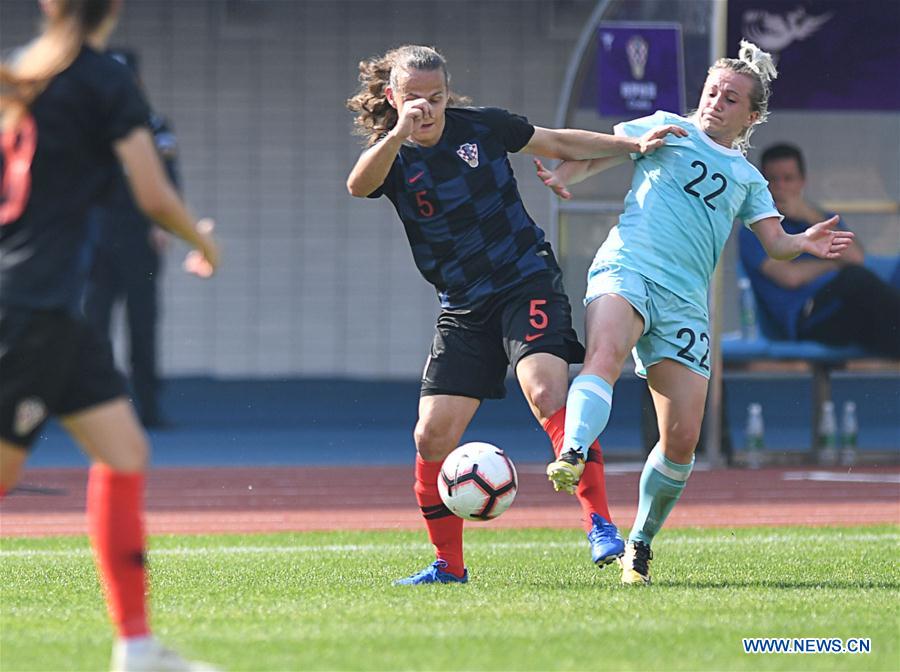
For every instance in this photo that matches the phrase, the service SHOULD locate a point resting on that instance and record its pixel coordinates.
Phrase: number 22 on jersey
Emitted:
(716, 178)
(18, 146)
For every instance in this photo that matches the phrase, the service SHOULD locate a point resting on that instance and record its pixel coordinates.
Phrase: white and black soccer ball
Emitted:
(478, 481)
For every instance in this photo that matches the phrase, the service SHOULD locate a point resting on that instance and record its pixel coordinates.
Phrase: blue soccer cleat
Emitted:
(606, 543)
(433, 574)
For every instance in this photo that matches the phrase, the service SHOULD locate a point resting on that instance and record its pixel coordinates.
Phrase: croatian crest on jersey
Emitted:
(29, 414)
(468, 152)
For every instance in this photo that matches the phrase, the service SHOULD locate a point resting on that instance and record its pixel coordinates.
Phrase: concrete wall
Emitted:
(314, 282)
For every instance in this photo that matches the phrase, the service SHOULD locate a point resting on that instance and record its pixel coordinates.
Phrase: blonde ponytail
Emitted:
(760, 62)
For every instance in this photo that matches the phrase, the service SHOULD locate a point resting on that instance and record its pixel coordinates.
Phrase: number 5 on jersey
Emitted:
(18, 147)
(426, 208)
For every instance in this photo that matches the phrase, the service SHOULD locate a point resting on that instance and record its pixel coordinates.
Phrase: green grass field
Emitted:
(324, 601)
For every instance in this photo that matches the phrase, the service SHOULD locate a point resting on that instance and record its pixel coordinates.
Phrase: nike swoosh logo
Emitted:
(414, 179)
(532, 337)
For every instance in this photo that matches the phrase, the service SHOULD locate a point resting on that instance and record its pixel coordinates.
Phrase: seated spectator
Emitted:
(838, 302)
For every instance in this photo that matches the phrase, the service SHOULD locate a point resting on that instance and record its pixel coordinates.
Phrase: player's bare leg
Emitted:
(679, 395)
(544, 379)
(12, 459)
(442, 421)
(111, 436)
(613, 327)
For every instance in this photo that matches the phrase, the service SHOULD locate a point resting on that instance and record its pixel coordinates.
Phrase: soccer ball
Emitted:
(477, 481)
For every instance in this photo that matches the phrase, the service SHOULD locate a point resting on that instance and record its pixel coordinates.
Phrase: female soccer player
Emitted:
(446, 171)
(69, 113)
(647, 287)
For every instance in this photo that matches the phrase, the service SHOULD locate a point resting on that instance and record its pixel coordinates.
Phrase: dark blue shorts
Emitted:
(472, 349)
(51, 363)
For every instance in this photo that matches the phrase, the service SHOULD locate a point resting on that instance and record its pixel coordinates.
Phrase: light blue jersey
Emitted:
(683, 200)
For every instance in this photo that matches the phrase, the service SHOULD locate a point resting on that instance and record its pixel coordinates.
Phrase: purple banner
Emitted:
(639, 69)
(831, 54)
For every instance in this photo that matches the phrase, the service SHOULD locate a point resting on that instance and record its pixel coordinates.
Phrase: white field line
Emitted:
(887, 537)
(830, 476)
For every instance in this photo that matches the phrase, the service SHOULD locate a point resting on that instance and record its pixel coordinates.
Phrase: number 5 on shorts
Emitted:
(539, 319)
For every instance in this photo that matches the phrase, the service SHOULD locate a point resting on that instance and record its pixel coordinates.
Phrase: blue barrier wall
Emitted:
(266, 422)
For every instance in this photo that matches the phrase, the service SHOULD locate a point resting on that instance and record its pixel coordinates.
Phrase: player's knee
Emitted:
(433, 441)
(546, 399)
(604, 362)
(132, 456)
(680, 442)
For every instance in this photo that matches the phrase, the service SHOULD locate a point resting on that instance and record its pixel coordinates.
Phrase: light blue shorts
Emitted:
(673, 327)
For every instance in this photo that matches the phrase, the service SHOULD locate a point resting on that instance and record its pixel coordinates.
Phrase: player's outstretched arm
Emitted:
(577, 145)
(375, 163)
(820, 240)
(573, 172)
(156, 196)
(656, 137)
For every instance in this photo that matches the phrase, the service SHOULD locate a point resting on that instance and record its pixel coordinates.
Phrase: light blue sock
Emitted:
(662, 483)
(587, 412)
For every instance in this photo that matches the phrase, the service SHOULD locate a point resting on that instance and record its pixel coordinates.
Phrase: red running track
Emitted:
(247, 500)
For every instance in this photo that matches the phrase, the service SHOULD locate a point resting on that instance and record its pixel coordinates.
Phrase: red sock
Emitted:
(2, 493)
(591, 490)
(115, 510)
(445, 530)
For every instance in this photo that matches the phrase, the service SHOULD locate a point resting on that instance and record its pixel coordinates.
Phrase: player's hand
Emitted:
(551, 180)
(412, 115)
(204, 260)
(655, 138)
(824, 241)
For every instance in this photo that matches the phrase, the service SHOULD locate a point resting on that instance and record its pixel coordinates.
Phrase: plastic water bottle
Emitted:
(755, 436)
(849, 432)
(749, 328)
(828, 453)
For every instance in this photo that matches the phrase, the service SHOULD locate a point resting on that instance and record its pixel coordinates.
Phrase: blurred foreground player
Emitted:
(69, 115)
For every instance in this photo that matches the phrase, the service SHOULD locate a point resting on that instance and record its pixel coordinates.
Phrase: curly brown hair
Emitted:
(374, 114)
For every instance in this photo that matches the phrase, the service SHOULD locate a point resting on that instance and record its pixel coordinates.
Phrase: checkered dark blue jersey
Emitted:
(458, 200)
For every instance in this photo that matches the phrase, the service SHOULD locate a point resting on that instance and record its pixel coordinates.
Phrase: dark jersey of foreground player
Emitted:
(68, 139)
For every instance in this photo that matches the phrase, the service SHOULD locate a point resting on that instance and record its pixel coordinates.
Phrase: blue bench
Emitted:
(771, 345)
